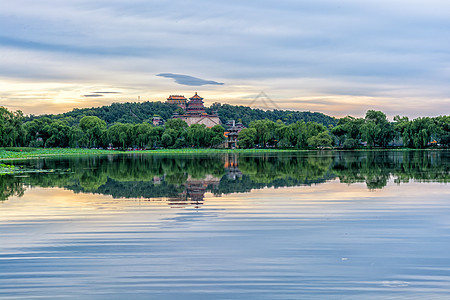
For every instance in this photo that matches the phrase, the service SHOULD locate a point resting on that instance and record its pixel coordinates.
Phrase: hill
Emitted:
(247, 114)
(138, 112)
(128, 112)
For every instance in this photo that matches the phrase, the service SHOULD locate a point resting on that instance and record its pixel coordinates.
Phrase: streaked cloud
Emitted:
(188, 80)
(105, 92)
(98, 94)
(92, 95)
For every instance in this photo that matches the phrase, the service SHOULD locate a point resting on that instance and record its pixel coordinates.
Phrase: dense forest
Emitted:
(246, 115)
(288, 131)
(140, 112)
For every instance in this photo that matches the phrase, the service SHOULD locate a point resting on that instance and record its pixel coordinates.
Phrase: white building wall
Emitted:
(206, 120)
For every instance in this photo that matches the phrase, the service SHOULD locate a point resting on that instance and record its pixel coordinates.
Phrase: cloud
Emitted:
(92, 95)
(189, 80)
(346, 49)
(105, 92)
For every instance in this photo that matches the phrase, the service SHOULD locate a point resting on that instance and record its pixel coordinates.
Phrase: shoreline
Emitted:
(6, 155)
(31, 153)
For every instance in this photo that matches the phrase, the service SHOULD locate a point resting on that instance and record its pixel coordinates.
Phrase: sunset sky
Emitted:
(336, 57)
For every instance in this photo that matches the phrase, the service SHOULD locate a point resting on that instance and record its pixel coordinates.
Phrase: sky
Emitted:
(340, 57)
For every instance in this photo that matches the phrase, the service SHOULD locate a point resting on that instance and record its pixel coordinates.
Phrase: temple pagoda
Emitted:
(195, 106)
(194, 111)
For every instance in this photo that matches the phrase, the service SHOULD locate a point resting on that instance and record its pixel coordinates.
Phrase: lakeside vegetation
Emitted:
(81, 131)
(8, 153)
(18, 153)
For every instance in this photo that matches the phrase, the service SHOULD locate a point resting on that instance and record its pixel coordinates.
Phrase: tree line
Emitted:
(92, 132)
(374, 130)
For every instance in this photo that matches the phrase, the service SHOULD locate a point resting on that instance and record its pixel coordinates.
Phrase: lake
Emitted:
(292, 225)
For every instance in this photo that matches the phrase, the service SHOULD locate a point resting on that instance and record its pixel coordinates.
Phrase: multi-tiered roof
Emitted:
(195, 105)
(195, 112)
(178, 100)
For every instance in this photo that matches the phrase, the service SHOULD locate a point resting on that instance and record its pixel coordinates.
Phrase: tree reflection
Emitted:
(10, 186)
(184, 179)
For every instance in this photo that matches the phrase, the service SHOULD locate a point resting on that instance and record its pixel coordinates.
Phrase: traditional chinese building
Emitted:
(195, 113)
(232, 133)
(195, 106)
(231, 136)
(232, 123)
(178, 100)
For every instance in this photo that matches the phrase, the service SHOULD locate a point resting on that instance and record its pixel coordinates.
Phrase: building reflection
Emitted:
(231, 165)
(193, 194)
(194, 191)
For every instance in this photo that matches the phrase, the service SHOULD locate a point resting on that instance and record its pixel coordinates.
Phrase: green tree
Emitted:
(350, 143)
(176, 124)
(377, 130)
(217, 136)
(265, 132)
(155, 136)
(348, 128)
(300, 134)
(59, 134)
(198, 136)
(169, 137)
(247, 138)
(75, 137)
(370, 132)
(313, 129)
(322, 139)
(285, 136)
(11, 130)
(142, 136)
(120, 135)
(419, 132)
(176, 131)
(36, 132)
(443, 130)
(93, 128)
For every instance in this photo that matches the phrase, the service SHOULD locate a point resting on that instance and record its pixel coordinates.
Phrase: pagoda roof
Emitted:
(176, 97)
(196, 96)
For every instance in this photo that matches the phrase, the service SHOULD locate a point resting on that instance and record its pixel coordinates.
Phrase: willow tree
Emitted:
(11, 130)
(93, 128)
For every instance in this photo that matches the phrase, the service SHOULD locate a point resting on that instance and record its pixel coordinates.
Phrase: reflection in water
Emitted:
(184, 179)
(10, 186)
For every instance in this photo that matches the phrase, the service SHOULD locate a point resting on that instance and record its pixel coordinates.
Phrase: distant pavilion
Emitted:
(178, 100)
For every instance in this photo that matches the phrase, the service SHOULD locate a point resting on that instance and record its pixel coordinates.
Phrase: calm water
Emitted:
(347, 225)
